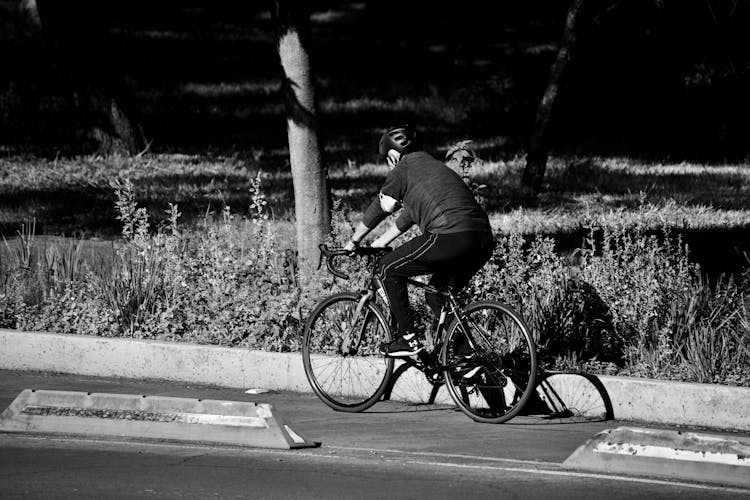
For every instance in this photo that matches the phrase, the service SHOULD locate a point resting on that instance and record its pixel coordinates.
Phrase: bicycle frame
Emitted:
(451, 307)
(375, 289)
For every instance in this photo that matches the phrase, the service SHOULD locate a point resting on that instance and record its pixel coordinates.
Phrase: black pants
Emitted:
(452, 259)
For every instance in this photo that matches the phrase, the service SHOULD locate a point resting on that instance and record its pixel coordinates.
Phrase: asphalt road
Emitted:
(392, 451)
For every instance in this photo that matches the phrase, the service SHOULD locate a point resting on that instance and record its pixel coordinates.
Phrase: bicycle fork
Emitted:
(352, 338)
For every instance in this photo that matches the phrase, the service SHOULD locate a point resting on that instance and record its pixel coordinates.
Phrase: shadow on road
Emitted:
(560, 397)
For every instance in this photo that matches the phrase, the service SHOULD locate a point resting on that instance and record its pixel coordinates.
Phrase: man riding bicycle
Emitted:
(456, 239)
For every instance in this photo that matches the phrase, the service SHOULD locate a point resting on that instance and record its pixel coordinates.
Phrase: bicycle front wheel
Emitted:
(340, 350)
(490, 369)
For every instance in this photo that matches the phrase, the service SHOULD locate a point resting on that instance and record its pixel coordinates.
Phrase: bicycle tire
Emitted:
(491, 382)
(346, 373)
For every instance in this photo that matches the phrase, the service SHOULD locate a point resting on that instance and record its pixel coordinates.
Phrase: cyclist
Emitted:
(456, 239)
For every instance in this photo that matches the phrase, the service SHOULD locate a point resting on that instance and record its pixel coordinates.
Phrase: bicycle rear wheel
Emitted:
(341, 356)
(490, 369)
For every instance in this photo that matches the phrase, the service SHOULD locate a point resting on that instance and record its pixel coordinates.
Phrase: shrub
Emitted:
(638, 277)
(10, 302)
(569, 319)
(74, 308)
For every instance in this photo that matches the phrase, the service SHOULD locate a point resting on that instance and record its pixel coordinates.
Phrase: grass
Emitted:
(700, 196)
(73, 196)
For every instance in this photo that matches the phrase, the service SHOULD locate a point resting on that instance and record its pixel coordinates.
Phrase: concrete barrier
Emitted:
(140, 417)
(697, 457)
(622, 398)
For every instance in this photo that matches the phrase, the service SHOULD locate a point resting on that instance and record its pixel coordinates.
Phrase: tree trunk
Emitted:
(30, 14)
(110, 129)
(309, 175)
(105, 122)
(536, 153)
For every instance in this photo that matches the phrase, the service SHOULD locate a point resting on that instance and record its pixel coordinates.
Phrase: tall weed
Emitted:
(711, 331)
(133, 287)
(230, 281)
(64, 262)
(22, 254)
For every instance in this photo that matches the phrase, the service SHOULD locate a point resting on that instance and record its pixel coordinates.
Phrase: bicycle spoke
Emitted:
(322, 373)
(339, 353)
(495, 362)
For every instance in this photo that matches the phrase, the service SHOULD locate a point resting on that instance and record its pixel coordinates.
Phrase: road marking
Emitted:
(588, 475)
(446, 455)
(548, 468)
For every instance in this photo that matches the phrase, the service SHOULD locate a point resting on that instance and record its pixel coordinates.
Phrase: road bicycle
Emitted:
(484, 353)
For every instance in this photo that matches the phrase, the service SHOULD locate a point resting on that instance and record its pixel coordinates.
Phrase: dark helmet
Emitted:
(403, 139)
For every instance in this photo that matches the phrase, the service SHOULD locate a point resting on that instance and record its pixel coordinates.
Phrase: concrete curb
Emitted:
(132, 358)
(706, 458)
(644, 400)
(654, 401)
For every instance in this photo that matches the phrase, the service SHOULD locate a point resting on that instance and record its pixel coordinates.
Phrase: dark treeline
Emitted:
(661, 78)
(669, 76)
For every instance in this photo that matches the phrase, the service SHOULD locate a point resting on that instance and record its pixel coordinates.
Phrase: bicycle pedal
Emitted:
(471, 373)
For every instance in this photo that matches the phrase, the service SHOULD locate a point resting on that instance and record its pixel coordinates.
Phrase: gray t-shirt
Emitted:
(434, 197)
